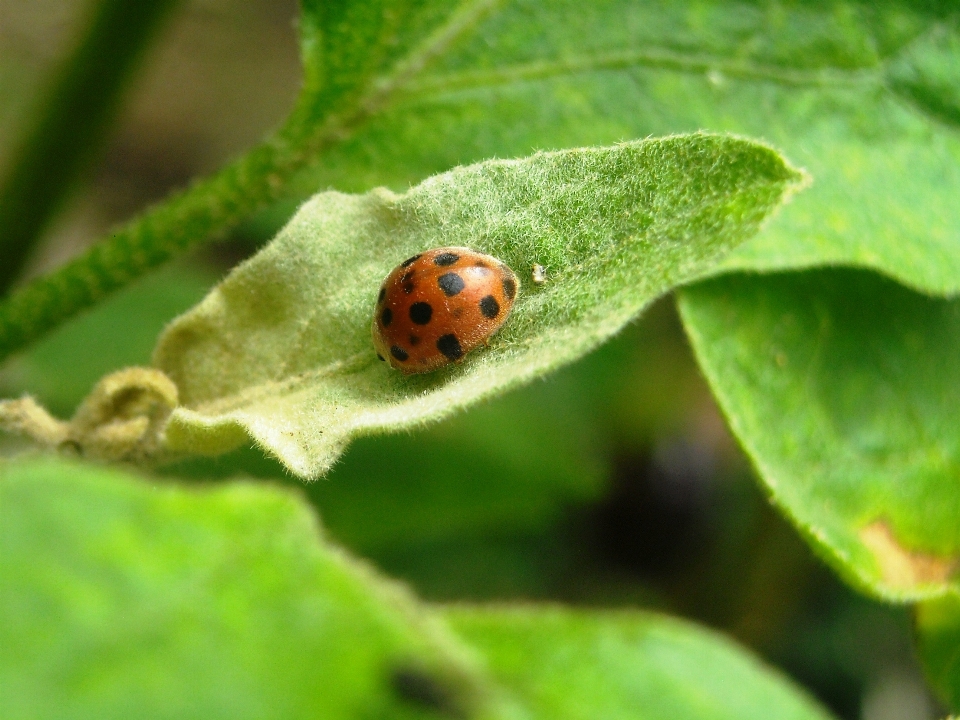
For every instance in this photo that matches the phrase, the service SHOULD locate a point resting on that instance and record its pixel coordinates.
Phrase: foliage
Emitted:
(226, 602)
(828, 334)
(281, 349)
(841, 386)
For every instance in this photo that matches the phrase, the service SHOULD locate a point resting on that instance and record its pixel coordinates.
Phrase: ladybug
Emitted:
(439, 305)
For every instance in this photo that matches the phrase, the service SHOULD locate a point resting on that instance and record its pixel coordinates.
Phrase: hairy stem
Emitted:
(205, 210)
(212, 207)
(72, 123)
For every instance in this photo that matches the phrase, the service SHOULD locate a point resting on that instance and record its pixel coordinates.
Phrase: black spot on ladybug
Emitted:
(419, 330)
(421, 312)
(490, 307)
(450, 283)
(450, 346)
(380, 357)
(444, 259)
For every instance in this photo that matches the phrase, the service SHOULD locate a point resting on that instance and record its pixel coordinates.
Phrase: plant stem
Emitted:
(212, 207)
(72, 123)
(203, 211)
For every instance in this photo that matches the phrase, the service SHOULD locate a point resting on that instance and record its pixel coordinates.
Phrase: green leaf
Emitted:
(580, 665)
(843, 388)
(124, 597)
(127, 598)
(863, 95)
(281, 350)
(938, 630)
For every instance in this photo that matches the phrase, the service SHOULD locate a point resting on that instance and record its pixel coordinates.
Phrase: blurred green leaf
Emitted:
(127, 598)
(858, 93)
(843, 388)
(938, 629)
(281, 350)
(573, 665)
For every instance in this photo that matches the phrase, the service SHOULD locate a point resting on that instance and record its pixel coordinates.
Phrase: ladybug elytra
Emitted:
(439, 305)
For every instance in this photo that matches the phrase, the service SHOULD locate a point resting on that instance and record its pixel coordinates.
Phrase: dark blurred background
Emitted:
(613, 482)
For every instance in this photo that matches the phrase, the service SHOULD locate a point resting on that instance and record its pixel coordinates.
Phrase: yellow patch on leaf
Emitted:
(904, 568)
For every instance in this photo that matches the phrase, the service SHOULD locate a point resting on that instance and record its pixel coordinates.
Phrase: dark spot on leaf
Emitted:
(399, 353)
(386, 317)
(414, 340)
(409, 261)
(490, 307)
(450, 283)
(421, 312)
(422, 688)
(450, 346)
(444, 259)
(509, 287)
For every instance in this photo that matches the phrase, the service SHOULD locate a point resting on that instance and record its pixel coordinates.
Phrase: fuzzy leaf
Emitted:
(124, 598)
(938, 630)
(576, 665)
(281, 350)
(856, 92)
(843, 388)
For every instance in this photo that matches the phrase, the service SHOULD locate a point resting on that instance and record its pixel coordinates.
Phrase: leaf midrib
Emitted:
(698, 63)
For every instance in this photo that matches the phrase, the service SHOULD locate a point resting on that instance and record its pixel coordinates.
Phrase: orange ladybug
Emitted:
(439, 305)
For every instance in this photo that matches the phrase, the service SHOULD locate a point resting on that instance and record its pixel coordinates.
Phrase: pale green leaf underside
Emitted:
(865, 96)
(124, 598)
(938, 634)
(843, 387)
(281, 350)
(577, 665)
